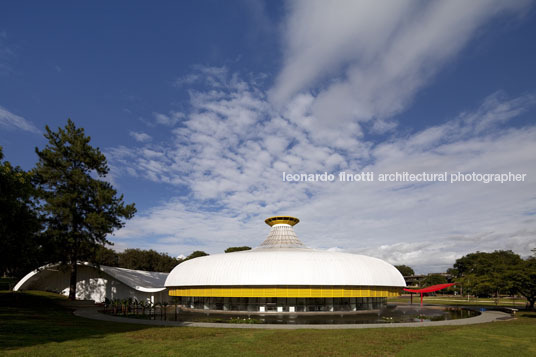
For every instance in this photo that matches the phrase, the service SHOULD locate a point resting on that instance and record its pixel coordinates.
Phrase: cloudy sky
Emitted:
(201, 106)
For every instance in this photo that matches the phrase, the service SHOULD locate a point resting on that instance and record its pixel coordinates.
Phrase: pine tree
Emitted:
(80, 208)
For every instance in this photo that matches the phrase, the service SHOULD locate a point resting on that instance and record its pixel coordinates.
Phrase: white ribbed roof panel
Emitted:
(285, 266)
(146, 281)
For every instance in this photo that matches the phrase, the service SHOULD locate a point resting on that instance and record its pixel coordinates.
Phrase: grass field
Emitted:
(457, 300)
(34, 324)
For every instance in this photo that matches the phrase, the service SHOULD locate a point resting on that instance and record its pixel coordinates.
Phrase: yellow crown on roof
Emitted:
(282, 220)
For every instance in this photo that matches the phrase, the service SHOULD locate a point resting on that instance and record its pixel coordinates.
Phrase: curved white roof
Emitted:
(145, 281)
(282, 259)
(285, 266)
(141, 280)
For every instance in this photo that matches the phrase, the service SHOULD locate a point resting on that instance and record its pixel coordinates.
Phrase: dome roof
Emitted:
(282, 259)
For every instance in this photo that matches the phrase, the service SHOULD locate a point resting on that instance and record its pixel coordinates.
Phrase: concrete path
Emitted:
(486, 316)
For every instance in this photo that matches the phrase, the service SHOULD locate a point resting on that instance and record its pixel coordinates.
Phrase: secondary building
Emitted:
(283, 275)
(98, 283)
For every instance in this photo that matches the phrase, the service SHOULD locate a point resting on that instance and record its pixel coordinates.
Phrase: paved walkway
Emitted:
(486, 316)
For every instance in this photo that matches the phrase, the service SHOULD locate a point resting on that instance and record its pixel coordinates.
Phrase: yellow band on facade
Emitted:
(288, 292)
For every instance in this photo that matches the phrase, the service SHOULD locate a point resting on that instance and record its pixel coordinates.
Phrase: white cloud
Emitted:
(140, 137)
(186, 80)
(216, 77)
(231, 149)
(10, 120)
(6, 54)
(168, 119)
(385, 51)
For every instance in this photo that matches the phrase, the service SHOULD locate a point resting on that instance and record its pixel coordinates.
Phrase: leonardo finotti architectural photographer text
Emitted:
(369, 176)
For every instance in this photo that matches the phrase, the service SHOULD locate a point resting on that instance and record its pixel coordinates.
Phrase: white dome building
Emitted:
(283, 275)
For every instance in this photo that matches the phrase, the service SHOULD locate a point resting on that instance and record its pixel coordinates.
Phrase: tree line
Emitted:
(501, 272)
(149, 260)
(485, 274)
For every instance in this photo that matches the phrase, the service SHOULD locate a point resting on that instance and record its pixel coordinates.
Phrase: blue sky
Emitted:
(200, 106)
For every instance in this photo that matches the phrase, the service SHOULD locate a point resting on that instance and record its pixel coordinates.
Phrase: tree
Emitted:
(196, 254)
(165, 263)
(525, 280)
(80, 208)
(236, 249)
(405, 270)
(106, 256)
(433, 279)
(487, 274)
(149, 260)
(20, 251)
(137, 259)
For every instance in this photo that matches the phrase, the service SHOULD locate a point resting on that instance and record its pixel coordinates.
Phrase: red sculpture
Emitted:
(429, 289)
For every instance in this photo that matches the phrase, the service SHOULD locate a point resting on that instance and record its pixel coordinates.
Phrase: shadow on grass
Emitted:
(33, 318)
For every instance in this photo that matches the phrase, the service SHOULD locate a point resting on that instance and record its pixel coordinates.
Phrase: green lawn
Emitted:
(457, 300)
(34, 324)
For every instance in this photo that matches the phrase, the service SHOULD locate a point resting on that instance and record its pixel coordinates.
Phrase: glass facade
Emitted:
(277, 304)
